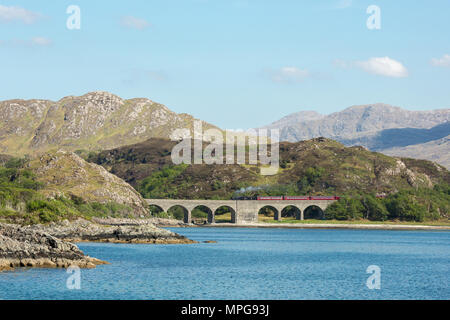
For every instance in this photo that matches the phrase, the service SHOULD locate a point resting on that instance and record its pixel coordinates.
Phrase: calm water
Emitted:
(255, 264)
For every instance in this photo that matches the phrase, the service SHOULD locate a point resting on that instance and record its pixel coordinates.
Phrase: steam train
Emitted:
(289, 198)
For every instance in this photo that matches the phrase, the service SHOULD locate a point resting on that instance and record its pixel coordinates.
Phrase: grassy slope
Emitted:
(23, 201)
(326, 167)
(314, 167)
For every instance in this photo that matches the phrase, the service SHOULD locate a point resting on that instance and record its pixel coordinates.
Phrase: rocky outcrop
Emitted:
(159, 222)
(24, 247)
(66, 174)
(51, 246)
(94, 121)
(85, 231)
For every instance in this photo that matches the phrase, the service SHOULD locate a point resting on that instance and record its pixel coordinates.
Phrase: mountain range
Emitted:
(94, 121)
(100, 121)
(378, 127)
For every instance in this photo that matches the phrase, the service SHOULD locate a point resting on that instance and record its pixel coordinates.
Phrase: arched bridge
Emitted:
(242, 211)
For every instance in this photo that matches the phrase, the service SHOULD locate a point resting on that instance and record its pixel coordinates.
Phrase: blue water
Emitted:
(254, 264)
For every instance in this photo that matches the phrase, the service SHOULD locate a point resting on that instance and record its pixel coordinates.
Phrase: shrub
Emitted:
(345, 209)
(374, 209)
(158, 184)
(404, 208)
(16, 163)
(46, 216)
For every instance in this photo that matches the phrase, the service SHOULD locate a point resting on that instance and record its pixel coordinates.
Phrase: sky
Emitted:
(235, 63)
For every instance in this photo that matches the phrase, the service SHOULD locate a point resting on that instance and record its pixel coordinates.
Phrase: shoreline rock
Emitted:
(158, 222)
(51, 246)
(23, 247)
(86, 231)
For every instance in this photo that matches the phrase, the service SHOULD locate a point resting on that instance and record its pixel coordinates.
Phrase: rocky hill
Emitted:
(95, 121)
(294, 119)
(153, 157)
(61, 185)
(356, 121)
(318, 166)
(66, 174)
(378, 127)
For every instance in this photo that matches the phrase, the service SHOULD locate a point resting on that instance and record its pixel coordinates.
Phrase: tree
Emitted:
(374, 209)
(345, 209)
(404, 207)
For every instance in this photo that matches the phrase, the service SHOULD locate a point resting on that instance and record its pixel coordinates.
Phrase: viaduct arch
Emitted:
(243, 211)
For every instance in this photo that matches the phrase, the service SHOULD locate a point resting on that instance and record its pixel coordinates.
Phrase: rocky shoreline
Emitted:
(111, 231)
(23, 247)
(158, 222)
(51, 246)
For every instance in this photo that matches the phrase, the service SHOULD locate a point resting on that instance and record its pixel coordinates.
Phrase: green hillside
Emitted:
(314, 167)
(27, 191)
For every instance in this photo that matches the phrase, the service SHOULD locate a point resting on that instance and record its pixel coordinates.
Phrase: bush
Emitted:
(163, 215)
(37, 205)
(6, 212)
(345, 209)
(310, 178)
(46, 216)
(16, 163)
(374, 209)
(177, 213)
(403, 207)
(158, 185)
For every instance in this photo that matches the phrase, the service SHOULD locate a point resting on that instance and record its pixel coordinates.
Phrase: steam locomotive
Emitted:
(288, 198)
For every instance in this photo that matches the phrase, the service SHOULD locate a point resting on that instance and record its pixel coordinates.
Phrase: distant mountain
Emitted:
(437, 150)
(392, 138)
(95, 121)
(377, 127)
(296, 118)
(355, 122)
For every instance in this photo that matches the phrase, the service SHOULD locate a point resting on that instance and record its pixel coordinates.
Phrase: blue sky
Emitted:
(234, 63)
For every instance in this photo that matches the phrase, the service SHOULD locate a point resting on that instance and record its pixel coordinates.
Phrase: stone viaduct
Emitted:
(242, 211)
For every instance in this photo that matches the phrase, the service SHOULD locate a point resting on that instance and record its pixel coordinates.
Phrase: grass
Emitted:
(223, 218)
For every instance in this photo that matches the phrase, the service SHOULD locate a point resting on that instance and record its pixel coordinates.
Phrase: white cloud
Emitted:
(134, 23)
(383, 66)
(10, 14)
(289, 74)
(441, 62)
(41, 41)
(34, 42)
